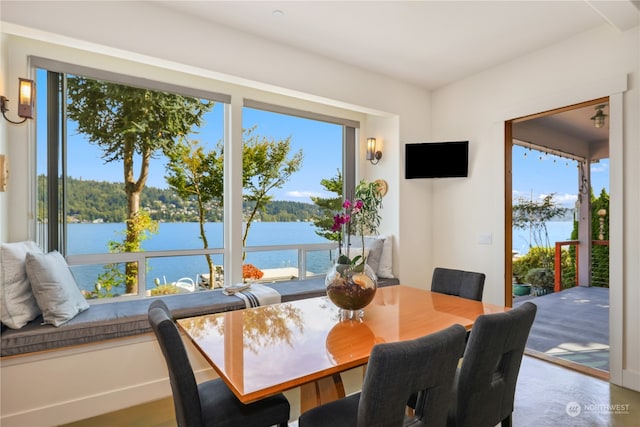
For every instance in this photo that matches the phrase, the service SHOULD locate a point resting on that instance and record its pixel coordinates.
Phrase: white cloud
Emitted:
(566, 199)
(600, 168)
(303, 194)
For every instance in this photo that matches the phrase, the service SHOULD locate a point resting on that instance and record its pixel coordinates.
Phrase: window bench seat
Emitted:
(125, 318)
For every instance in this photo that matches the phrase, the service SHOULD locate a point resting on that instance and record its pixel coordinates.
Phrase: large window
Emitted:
(130, 182)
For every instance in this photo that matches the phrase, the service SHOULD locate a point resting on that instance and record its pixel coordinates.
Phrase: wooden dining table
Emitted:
(266, 350)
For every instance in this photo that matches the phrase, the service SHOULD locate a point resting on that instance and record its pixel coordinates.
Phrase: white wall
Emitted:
(476, 108)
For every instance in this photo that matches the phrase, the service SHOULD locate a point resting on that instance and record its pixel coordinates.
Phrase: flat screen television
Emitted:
(437, 159)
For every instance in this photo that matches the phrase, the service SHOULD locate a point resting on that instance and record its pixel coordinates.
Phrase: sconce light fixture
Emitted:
(598, 118)
(26, 100)
(372, 155)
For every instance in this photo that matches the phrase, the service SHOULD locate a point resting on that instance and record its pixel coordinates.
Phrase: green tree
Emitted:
(266, 165)
(328, 208)
(599, 253)
(194, 173)
(533, 215)
(131, 124)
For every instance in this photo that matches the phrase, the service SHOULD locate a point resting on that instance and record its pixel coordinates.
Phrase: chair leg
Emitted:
(507, 421)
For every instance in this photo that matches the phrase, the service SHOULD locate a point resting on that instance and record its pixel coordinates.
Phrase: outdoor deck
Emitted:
(572, 325)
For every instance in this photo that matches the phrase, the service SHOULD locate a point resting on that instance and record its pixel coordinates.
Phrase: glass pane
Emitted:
(100, 280)
(121, 151)
(278, 207)
(189, 273)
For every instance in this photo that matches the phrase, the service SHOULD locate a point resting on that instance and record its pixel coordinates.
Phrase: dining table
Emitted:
(265, 350)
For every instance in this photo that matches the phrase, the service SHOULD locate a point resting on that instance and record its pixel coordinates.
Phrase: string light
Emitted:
(545, 151)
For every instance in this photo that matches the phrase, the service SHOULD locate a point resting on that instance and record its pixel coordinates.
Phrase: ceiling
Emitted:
(425, 43)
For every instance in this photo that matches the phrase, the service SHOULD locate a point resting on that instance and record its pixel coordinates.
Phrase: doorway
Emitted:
(562, 332)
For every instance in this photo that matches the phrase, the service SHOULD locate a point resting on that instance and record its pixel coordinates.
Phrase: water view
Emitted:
(559, 231)
(93, 238)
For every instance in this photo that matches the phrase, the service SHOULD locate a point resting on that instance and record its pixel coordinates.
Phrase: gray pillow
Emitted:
(375, 252)
(54, 287)
(18, 306)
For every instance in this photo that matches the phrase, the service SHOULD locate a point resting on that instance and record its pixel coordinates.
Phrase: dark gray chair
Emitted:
(486, 381)
(210, 403)
(425, 366)
(465, 284)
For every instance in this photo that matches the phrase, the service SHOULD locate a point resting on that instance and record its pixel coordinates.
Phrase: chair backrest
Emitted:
(183, 382)
(465, 284)
(425, 366)
(489, 371)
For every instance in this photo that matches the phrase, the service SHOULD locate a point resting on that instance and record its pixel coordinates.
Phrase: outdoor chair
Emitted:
(425, 366)
(210, 403)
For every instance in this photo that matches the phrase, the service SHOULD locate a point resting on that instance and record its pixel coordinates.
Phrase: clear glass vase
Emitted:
(351, 288)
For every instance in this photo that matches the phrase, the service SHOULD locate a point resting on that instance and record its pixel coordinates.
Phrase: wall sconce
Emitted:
(26, 100)
(598, 118)
(372, 155)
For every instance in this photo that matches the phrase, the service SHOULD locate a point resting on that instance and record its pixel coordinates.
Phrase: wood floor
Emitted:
(546, 396)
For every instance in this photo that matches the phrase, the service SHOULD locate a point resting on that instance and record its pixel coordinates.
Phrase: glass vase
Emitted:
(351, 288)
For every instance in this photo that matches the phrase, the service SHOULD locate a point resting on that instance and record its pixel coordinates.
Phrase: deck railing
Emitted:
(566, 276)
(142, 259)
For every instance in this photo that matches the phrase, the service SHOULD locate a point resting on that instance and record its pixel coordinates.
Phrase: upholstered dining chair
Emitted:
(210, 403)
(425, 366)
(465, 284)
(485, 384)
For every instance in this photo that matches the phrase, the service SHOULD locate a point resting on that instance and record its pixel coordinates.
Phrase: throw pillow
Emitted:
(54, 287)
(18, 305)
(375, 253)
(385, 268)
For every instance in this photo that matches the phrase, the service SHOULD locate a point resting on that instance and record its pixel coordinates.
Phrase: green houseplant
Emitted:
(351, 283)
(541, 280)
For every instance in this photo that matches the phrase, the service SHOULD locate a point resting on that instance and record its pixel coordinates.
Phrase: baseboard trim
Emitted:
(597, 373)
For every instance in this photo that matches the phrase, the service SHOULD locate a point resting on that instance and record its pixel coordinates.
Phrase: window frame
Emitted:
(56, 161)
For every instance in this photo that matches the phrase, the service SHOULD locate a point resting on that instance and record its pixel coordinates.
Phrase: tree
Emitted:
(132, 124)
(194, 173)
(265, 166)
(599, 253)
(329, 207)
(533, 215)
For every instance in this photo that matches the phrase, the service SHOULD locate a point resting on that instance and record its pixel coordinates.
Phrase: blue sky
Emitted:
(537, 174)
(534, 174)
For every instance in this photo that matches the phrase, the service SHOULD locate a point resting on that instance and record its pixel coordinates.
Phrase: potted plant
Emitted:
(351, 283)
(541, 279)
(519, 288)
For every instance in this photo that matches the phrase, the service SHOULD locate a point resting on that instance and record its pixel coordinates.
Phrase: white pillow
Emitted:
(385, 267)
(54, 287)
(372, 251)
(18, 305)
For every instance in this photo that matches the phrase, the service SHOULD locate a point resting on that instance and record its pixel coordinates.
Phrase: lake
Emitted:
(559, 231)
(92, 239)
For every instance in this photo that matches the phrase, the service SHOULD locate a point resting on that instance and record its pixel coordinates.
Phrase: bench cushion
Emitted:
(124, 318)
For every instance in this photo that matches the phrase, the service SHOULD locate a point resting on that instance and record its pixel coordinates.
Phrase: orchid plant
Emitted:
(342, 223)
(361, 213)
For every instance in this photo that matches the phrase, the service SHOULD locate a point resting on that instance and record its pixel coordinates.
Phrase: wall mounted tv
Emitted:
(436, 159)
